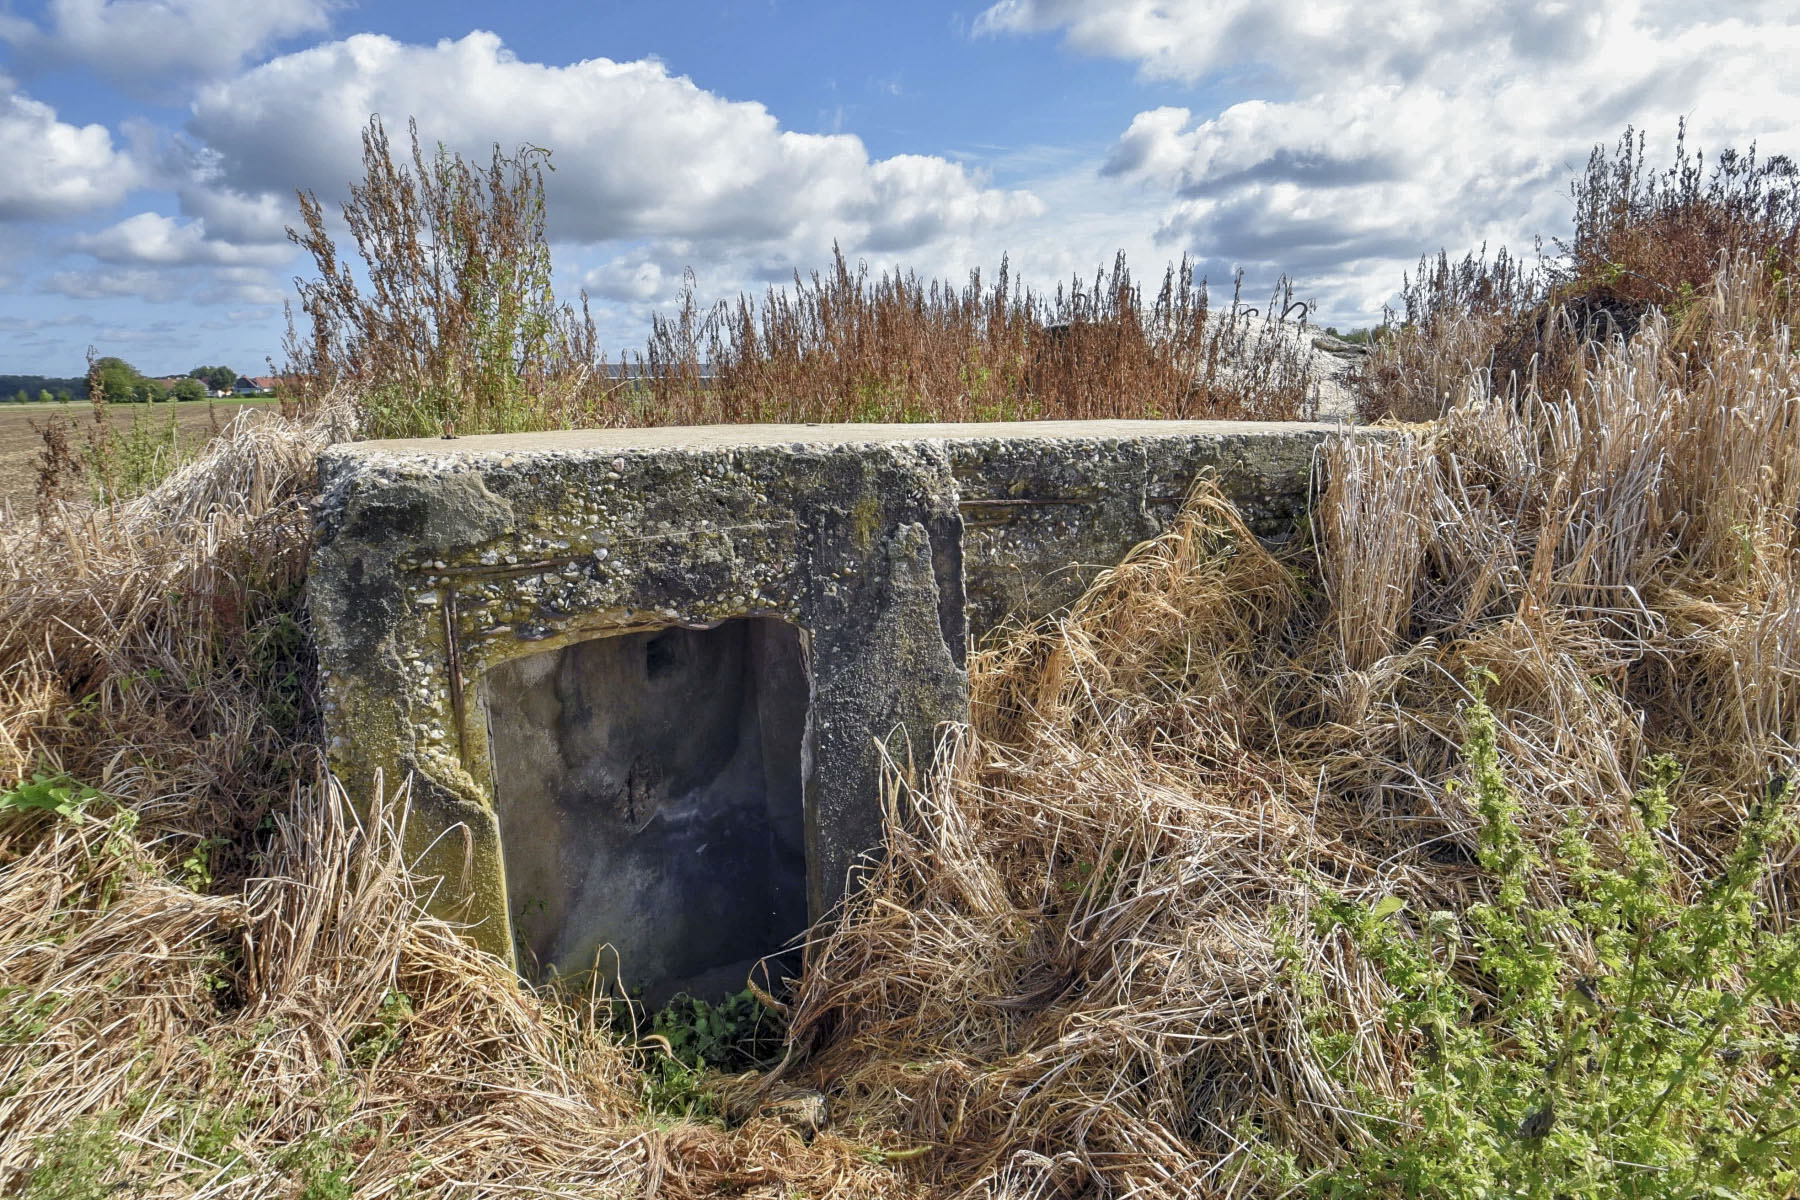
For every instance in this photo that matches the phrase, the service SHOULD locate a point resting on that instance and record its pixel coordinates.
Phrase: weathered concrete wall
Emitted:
(446, 570)
(1047, 506)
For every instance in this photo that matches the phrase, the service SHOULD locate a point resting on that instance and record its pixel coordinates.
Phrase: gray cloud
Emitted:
(1303, 166)
(214, 286)
(141, 283)
(146, 46)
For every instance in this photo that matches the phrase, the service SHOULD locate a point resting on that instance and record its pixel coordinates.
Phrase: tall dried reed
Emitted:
(459, 331)
(1640, 239)
(844, 345)
(459, 328)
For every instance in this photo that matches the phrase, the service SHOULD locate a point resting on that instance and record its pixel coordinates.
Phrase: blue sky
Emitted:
(149, 149)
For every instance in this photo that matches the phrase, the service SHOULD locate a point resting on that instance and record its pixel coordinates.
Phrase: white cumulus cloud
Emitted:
(151, 239)
(638, 152)
(52, 168)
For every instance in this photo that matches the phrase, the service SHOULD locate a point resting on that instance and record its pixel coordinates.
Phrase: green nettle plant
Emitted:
(690, 1036)
(130, 463)
(735, 1034)
(1618, 1042)
(56, 793)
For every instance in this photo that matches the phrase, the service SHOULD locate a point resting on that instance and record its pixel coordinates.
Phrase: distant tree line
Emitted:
(21, 389)
(123, 383)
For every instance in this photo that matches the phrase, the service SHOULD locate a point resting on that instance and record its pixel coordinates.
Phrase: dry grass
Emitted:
(151, 648)
(1066, 979)
(1452, 321)
(256, 1043)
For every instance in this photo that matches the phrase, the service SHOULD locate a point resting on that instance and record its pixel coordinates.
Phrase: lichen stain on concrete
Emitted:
(477, 605)
(867, 519)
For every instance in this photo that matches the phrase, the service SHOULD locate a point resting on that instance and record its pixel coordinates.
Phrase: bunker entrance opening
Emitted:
(650, 789)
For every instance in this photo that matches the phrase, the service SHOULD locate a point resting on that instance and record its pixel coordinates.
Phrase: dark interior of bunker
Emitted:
(650, 791)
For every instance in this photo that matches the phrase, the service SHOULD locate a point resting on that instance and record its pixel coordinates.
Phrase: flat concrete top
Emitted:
(713, 437)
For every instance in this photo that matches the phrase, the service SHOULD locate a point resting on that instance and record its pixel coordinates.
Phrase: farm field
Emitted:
(19, 440)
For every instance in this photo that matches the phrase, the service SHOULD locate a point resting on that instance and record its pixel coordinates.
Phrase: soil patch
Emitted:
(19, 441)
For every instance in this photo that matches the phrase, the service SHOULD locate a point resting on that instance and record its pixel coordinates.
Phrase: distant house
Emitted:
(261, 385)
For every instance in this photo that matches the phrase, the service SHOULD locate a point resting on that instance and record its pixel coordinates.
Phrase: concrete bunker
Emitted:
(646, 682)
(650, 789)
